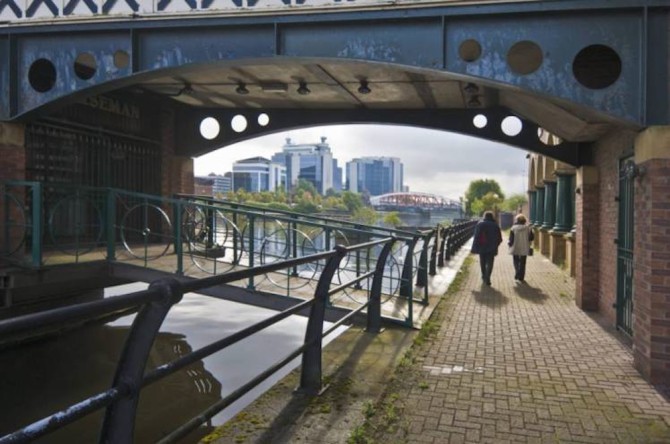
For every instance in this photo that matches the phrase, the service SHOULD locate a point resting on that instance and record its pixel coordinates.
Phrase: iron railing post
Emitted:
(178, 242)
(374, 321)
(310, 376)
(110, 222)
(433, 252)
(236, 256)
(252, 247)
(293, 245)
(407, 284)
(37, 224)
(445, 236)
(422, 275)
(119, 423)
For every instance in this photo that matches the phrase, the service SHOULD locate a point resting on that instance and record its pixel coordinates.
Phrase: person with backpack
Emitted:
(487, 238)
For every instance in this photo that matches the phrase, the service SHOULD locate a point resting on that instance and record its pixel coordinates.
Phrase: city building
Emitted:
(376, 175)
(213, 184)
(311, 162)
(257, 174)
(337, 177)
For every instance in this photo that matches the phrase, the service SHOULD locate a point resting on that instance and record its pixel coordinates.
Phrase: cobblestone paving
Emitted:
(519, 362)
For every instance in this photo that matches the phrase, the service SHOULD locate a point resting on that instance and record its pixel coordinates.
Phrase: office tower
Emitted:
(376, 175)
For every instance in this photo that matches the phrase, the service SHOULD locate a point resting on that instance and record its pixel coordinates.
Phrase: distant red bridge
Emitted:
(413, 201)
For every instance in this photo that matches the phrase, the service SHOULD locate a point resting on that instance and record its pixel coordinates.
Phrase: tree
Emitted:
(352, 201)
(480, 188)
(365, 215)
(392, 219)
(514, 203)
(488, 202)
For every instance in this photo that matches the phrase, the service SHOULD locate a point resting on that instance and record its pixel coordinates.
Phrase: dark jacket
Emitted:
(487, 237)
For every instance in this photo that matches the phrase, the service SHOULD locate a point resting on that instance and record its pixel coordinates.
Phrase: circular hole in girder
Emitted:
(596, 66)
(121, 59)
(85, 66)
(209, 128)
(524, 57)
(548, 138)
(263, 119)
(470, 50)
(511, 126)
(238, 123)
(480, 121)
(42, 75)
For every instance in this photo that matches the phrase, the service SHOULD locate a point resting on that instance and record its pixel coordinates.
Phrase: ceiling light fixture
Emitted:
(241, 88)
(471, 88)
(186, 89)
(364, 88)
(303, 90)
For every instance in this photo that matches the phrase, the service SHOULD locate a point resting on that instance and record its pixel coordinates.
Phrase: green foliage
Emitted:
(352, 201)
(306, 206)
(489, 201)
(365, 215)
(514, 203)
(305, 186)
(480, 188)
(392, 219)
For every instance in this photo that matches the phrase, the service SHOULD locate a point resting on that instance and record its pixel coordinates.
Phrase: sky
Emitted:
(436, 162)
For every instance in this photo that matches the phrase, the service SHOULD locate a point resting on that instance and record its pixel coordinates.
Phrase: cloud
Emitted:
(435, 161)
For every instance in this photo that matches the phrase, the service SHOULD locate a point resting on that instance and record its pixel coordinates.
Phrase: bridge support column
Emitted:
(651, 283)
(12, 151)
(12, 167)
(587, 269)
(177, 171)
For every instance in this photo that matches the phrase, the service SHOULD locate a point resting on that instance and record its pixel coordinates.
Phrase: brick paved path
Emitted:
(521, 363)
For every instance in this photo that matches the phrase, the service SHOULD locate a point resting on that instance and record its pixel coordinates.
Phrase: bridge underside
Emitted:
(436, 67)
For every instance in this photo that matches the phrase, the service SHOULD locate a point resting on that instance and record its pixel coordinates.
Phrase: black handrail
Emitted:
(154, 304)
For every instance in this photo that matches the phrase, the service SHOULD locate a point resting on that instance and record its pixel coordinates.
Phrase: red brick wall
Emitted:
(608, 153)
(12, 166)
(652, 271)
(12, 152)
(176, 171)
(587, 244)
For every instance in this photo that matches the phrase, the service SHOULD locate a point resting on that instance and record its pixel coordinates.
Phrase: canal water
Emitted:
(46, 375)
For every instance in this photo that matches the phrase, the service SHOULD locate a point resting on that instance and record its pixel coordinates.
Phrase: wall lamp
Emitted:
(631, 170)
(364, 88)
(241, 89)
(303, 90)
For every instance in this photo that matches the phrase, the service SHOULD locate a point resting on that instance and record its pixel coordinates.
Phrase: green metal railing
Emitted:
(56, 224)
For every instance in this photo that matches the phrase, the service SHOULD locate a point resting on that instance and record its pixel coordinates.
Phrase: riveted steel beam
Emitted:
(191, 143)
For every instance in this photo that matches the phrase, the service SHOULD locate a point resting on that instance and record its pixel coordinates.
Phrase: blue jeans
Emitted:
(486, 264)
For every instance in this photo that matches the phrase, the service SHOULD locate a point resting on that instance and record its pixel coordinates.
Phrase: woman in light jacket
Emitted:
(520, 238)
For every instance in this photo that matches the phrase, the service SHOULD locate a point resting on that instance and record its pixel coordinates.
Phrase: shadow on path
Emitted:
(529, 293)
(490, 297)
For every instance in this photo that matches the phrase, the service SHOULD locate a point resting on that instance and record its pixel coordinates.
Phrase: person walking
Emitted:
(520, 238)
(487, 238)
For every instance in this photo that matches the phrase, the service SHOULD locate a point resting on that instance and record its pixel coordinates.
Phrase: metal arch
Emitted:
(413, 199)
(452, 120)
(426, 37)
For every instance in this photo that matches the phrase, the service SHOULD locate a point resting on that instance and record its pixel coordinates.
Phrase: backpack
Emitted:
(482, 240)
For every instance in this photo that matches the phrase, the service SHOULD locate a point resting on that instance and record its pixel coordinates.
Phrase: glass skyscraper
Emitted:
(376, 175)
(258, 174)
(311, 162)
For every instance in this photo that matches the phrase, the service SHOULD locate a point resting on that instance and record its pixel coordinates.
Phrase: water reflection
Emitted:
(47, 375)
(44, 376)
